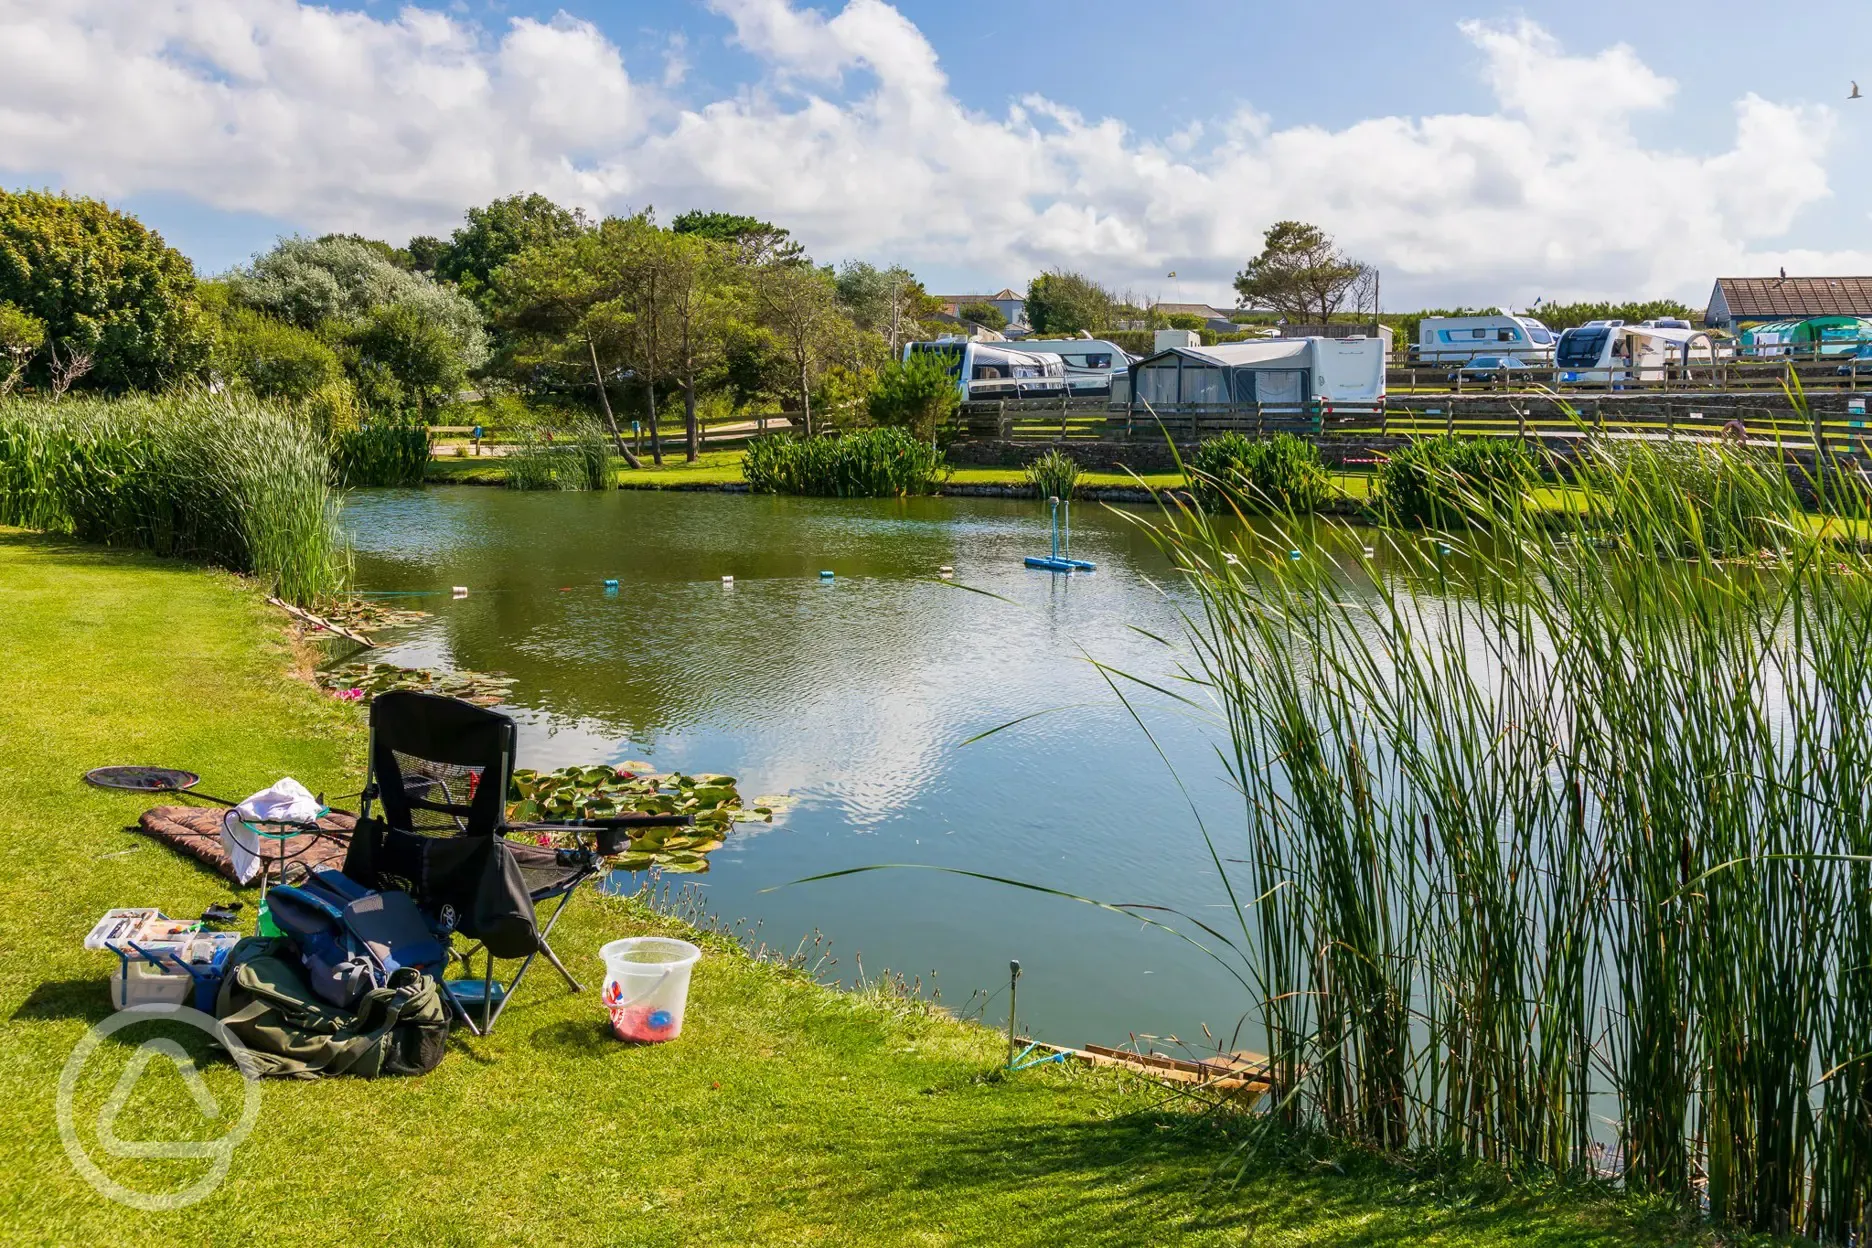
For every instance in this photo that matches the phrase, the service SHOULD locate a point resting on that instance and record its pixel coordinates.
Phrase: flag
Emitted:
(1170, 274)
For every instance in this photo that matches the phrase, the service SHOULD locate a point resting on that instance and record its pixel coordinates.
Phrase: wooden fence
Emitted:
(1834, 420)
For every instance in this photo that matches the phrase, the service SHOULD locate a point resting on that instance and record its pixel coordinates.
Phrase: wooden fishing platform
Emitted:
(1242, 1075)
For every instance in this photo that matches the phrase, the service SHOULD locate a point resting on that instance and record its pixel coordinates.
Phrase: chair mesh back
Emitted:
(441, 766)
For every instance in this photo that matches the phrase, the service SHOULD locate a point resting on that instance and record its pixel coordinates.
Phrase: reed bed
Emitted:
(1557, 834)
(223, 478)
(581, 459)
(381, 453)
(868, 463)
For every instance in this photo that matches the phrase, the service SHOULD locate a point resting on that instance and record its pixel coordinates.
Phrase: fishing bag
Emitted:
(400, 1028)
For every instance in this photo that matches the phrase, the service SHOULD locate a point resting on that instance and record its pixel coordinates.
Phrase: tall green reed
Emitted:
(576, 459)
(383, 452)
(1556, 846)
(1054, 474)
(223, 478)
(867, 463)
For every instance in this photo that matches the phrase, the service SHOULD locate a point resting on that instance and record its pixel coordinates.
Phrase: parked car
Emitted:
(1487, 368)
(1859, 364)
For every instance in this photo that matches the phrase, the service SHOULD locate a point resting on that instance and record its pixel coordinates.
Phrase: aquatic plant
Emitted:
(867, 463)
(1279, 475)
(1052, 475)
(601, 792)
(223, 478)
(384, 452)
(577, 459)
(1531, 872)
(1433, 480)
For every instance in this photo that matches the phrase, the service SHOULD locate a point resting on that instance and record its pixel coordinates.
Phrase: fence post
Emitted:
(1004, 429)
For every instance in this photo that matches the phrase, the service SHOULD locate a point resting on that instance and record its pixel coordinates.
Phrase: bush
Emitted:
(872, 463)
(381, 453)
(1282, 474)
(1443, 481)
(919, 396)
(224, 478)
(1053, 475)
(105, 287)
(273, 359)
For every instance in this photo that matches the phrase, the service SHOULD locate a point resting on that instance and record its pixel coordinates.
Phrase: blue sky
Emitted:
(1476, 152)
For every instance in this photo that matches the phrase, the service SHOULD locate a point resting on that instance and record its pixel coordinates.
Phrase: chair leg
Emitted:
(548, 950)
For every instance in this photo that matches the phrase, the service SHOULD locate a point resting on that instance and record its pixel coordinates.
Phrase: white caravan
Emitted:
(1279, 372)
(1092, 364)
(993, 370)
(1459, 339)
(1611, 353)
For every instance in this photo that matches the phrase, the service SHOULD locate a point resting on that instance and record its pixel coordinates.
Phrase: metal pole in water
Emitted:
(1066, 526)
(1013, 982)
(1054, 503)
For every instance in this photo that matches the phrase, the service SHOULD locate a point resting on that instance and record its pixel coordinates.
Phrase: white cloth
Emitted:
(287, 800)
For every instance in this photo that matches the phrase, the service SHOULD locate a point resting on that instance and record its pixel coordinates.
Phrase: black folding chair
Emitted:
(441, 769)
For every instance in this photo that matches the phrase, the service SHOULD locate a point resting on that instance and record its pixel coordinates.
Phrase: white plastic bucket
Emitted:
(646, 986)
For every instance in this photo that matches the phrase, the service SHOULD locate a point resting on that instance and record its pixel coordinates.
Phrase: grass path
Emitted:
(786, 1113)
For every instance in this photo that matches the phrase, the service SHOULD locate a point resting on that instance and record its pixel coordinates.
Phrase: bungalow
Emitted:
(1740, 301)
(1212, 318)
(1010, 305)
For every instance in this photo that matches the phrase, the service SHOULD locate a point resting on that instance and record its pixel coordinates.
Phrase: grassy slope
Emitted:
(785, 1114)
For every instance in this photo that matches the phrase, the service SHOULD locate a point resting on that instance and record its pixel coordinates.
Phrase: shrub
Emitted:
(275, 360)
(919, 396)
(1282, 474)
(105, 287)
(224, 478)
(1444, 480)
(1053, 475)
(872, 463)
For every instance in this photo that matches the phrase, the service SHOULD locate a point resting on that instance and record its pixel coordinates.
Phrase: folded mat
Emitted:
(196, 831)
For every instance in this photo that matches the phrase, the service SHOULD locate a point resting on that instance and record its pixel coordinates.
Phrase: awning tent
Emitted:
(1273, 372)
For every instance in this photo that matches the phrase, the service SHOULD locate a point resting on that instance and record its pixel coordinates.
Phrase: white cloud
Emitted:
(853, 139)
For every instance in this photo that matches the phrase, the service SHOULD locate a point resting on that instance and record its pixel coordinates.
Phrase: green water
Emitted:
(855, 696)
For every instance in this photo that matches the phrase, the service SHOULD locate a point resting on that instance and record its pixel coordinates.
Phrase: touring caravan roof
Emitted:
(1240, 354)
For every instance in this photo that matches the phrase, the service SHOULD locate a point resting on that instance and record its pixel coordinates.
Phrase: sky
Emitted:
(1475, 153)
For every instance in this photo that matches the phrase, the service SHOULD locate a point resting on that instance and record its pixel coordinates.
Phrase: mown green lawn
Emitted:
(785, 1114)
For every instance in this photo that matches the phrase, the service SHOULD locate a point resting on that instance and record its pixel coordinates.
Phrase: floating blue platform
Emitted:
(1059, 561)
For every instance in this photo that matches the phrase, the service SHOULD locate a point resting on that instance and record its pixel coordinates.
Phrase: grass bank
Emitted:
(787, 1113)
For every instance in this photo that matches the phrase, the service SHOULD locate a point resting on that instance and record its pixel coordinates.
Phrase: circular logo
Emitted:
(219, 1152)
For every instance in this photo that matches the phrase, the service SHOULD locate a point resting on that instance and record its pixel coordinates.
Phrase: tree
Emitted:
(568, 304)
(755, 242)
(425, 252)
(984, 314)
(701, 298)
(1063, 303)
(799, 304)
(1300, 273)
(21, 336)
(888, 302)
(497, 233)
(273, 359)
(343, 290)
(918, 395)
(416, 353)
(105, 288)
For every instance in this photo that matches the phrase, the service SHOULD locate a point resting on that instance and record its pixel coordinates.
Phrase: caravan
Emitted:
(994, 370)
(1278, 373)
(1459, 339)
(1092, 364)
(1612, 353)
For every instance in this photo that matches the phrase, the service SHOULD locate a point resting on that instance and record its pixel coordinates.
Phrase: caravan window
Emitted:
(1538, 333)
(1100, 361)
(988, 372)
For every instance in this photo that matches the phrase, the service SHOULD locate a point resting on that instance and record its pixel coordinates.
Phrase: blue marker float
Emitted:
(1060, 560)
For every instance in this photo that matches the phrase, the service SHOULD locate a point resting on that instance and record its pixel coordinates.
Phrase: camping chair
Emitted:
(441, 769)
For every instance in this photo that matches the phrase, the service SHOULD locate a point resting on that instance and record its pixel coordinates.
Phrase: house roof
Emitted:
(1795, 298)
(1189, 309)
(1005, 295)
